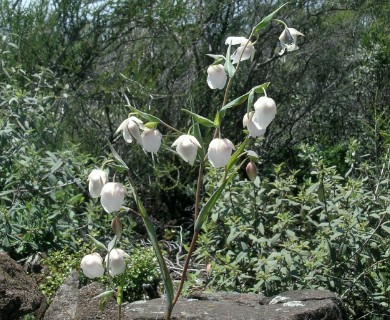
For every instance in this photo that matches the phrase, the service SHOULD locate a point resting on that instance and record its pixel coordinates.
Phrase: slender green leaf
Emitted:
(229, 68)
(98, 243)
(116, 155)
(235, 102)
(259, 89)
(263, 23)
(233, 159)
(147, 116)
(250, 101)
(200, 119)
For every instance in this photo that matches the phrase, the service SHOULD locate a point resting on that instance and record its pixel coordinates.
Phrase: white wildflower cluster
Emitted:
(92, 264)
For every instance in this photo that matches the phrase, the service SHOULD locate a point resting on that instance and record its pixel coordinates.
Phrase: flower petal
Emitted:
(151, 140)
(92, 265)
(254, 131)
(219, 152)
(112, 196)
(97, 179)
(236, 40)
(216, 76)
(265, 111)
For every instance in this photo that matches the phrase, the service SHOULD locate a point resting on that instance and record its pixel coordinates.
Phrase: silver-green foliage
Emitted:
(308, 228)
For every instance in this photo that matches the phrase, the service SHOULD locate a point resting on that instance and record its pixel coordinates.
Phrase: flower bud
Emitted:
(112, 196)
(115, 261)
(219, 152)
(151, 140)
(92, 265)
(131, 129)
(187, 147)
(253, 130)
(116, 226)
(97, 179)
(216, 76)
(251, 171)
(265, 111)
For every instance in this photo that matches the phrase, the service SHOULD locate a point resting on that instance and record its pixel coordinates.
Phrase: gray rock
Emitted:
(65, 301)
(290, 305)
(19, 293)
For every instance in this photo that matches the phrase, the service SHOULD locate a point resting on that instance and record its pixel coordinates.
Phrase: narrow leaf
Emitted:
(147, 116)
(98, 243)
(200, 119)
(263, 23)
(259, 89)
(235, 102)
(116, 155)
(228, 63)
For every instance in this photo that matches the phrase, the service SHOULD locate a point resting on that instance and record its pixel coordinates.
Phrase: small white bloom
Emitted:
(92, 265)
(97, 179)
(187, 147)
(216, 76)
(288, 40)
(265, 111)
(131, 129)
(151, 140)
(112, 196)
(115, 261)
(254, 131)
(236, 40)
(249, 53)
(219, 152)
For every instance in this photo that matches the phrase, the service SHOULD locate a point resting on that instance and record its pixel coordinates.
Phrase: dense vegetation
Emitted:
(318, 214)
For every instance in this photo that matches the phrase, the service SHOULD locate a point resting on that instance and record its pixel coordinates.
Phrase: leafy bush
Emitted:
(141, 267)
(329, 231)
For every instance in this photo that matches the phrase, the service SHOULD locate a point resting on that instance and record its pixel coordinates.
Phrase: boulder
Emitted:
(19, 293)
(290, 305)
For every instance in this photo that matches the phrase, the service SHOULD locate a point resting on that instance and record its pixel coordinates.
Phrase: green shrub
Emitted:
(328, 232)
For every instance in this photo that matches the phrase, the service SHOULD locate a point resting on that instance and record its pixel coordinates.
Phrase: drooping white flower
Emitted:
(249, 51)
(254, 131)
(235, 40)
(112, 196)
(97, 179)
(131, 129)
(151, 140)
(288, 40)
(92, 265)
(265, 111)
(187, 147)
(115, 261)
(216, 76)
(219, 152)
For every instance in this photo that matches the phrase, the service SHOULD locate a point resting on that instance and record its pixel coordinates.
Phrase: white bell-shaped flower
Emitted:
(249, 53)
(265, 111)
(115, 261)
(92, 265)
(253, 130)
(112, 196)
(151, 140)
(219, 152)
(288, 40)
(216, 76)
(187, 147)
(97, 179)
(131, 129)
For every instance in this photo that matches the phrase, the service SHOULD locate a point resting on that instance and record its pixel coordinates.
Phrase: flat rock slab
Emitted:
(290, 305)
